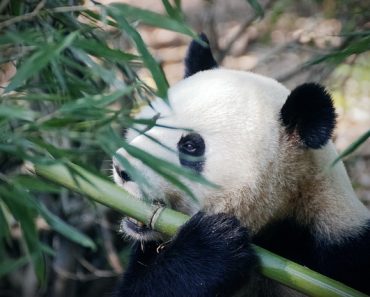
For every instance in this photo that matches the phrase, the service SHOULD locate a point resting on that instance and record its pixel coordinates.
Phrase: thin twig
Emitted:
(112, 255)
(95, 271)
(78, 276)
(322, 73)
(293, 72)
(233, 39)
(247, 22)
(24, 17)
(62, 9)
(38, 10)
(278, 49)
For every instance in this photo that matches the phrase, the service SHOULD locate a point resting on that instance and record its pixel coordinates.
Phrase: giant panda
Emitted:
(268, 150)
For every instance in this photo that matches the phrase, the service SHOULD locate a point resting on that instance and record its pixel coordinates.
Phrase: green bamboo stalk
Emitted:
(168, 221)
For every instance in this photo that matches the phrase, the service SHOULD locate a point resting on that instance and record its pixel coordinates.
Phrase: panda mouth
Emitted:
(135, 225)
(139, 230)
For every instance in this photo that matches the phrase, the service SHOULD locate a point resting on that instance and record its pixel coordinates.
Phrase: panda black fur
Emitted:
(268, 149)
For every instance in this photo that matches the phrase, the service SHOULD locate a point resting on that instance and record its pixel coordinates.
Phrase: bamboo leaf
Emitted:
(41, 97)
(25, 213)
(38, 61)
(109, 142)
(33, 184)
(15, 112)
(257, 8)
(173, 12)
(152, 18)
(26, 37)
(356, 47)
(8, 265)
(58, 74)
(157, 163)
(352, 147)
(101, 50)
(64, 229)
(98, 101)
(4, 226)
(17, 7)
(118, 13)
(107, 75)
(27, 208)
(168, 170)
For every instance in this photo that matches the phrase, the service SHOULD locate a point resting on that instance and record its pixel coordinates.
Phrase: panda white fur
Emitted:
(269, 150)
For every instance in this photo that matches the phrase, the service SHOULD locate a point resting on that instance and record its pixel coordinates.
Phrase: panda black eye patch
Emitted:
(191, 150)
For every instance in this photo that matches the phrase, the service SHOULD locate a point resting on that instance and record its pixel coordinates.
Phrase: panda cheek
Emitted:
(133, 189)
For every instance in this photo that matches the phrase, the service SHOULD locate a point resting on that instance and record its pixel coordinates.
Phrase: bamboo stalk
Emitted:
(168, 221)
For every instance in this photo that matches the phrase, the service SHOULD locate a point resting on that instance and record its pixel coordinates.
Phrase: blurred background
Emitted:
(292, 41)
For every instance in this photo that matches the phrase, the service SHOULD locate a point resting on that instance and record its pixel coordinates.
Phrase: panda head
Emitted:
(239, 130)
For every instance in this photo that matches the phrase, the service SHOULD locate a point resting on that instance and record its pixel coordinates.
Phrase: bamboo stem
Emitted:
(168, 221)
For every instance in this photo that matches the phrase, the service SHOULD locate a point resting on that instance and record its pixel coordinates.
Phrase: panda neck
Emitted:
(324, 198)
(298, 184)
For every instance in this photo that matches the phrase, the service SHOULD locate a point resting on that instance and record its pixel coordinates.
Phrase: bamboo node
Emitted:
(155, 216)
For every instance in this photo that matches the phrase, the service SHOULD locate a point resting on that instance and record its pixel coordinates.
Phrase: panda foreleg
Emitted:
(348, 260)
(210, 256)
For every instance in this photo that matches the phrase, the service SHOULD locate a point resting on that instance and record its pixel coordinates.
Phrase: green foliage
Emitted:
(352, 147)
(117, 12)
(257, 8)
(357, 43)
(71, 91)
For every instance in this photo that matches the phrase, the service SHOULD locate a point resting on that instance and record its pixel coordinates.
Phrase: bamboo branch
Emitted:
(168, 221)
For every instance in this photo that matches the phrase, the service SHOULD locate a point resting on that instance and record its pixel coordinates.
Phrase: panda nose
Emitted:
(122, 174)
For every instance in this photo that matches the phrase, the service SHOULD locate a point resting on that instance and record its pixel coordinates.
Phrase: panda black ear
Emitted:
(309, 112)
(199, 57)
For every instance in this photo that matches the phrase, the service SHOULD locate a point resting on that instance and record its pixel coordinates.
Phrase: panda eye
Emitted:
(191, 151)
(189, 147)
(191, 144)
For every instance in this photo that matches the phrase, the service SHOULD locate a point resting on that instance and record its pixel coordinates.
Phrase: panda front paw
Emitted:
(218, 247)
(210, 256)
(219, 234)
